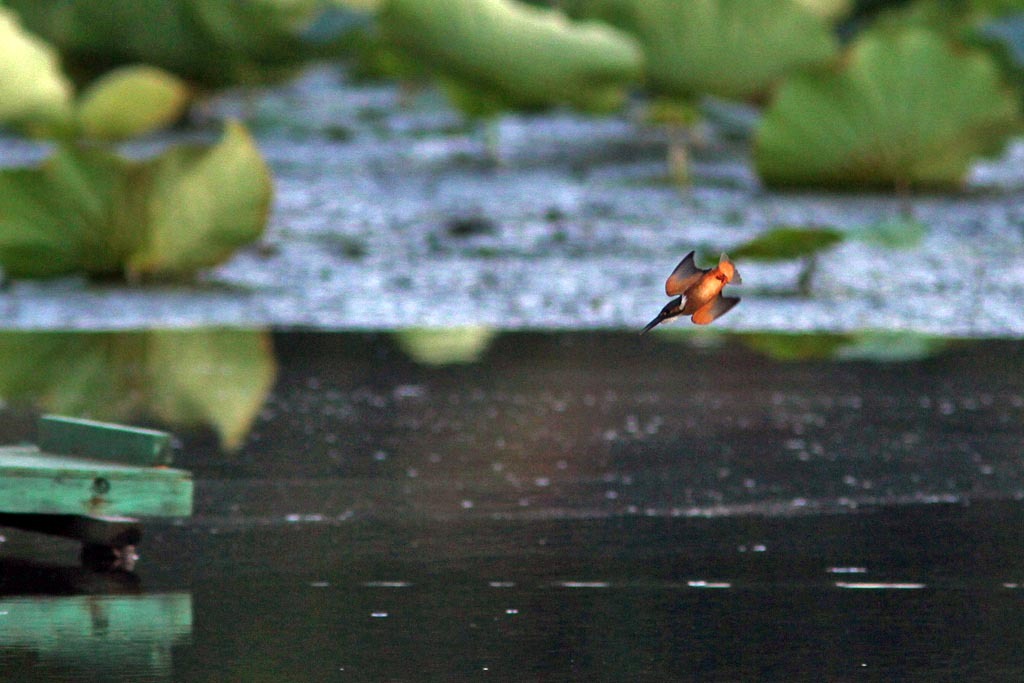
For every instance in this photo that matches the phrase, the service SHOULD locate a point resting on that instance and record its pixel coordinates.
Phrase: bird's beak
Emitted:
(651, 325)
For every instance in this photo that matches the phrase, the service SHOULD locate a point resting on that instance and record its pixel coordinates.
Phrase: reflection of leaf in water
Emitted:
(219, 377)
(876, 345)
(891, 346)
(786, 346)
(445, 346)
(786, 242)
(183, 377)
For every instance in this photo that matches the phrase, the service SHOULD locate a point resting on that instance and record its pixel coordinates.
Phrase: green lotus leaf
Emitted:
(33, 89)
(203, 204)
(58, 218)
(458, 345)
(525, 56)
(89, 211)
(210, 42)
(729, 48)
(1005, 35)
(906, 111)
(828, 9)
(219, 378)
(131, 101)
(784, 242)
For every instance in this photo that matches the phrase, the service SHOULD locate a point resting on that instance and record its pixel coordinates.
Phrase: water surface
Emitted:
(553, 507)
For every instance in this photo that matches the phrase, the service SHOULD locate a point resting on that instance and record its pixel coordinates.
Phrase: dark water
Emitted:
(554, 507)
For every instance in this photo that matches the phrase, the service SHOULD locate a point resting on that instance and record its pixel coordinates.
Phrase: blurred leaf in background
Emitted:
(214, 377)
(88, 211)
(130, 101)
(203, 203)
(729, 48)
(512, 55)
(1004, 36)
(905, 110)
(33, 89)
(783, 243)
(212, 43)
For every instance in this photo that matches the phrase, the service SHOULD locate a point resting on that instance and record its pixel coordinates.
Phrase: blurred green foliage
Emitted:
(212, 43)
(506, 54)
(33, 89)
(130, 101)
(905, 110)
(783, 243)
(729, 48)
(86, 210)
(1004, 36)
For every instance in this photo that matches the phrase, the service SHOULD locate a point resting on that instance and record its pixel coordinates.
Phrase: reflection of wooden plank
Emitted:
(98, 628)
(32, 481)
(104, 441)
(115, 532)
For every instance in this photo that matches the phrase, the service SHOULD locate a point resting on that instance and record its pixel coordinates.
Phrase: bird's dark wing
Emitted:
(683, 277)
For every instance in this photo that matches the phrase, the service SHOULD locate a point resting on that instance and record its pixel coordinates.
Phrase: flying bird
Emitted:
(698, 292)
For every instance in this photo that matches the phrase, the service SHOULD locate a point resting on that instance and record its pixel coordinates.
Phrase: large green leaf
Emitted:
(1005, 35)
(130, 101)
(211, 42)
(214, 377)
(784, 242)
(906, 110)
(60, 218)
(524, 56)
(88, 211)
(729, 48)
(32, 87)
(203, 204)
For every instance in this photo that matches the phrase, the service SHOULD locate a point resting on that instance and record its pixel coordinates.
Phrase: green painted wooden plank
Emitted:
(36, 482)
(104, 440)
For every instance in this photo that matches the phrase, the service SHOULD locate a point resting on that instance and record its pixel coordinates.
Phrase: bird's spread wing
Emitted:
(683, 277)
(715, 309)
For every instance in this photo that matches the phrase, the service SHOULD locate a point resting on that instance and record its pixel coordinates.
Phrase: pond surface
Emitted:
(453, 506)
(389, 211)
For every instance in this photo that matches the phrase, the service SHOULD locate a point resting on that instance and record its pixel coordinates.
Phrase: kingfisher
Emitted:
(698, 292)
